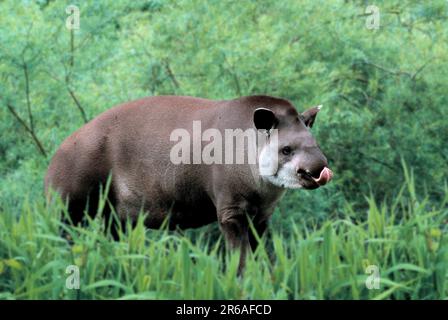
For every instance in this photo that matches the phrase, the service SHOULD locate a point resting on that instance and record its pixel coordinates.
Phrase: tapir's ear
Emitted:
(310, 115)
(264, 119)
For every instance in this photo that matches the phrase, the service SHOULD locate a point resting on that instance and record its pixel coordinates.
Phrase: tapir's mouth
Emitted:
(324, 177)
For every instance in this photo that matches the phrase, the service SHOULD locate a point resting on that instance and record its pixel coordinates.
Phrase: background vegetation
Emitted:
(383, 128)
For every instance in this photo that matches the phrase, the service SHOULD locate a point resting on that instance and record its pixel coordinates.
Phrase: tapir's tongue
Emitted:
(325, 176)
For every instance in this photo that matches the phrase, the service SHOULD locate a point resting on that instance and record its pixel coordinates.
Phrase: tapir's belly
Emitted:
(183, 216)
(192, 215)
(191, 211)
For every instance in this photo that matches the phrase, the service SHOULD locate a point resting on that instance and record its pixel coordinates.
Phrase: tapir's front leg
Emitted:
(234, 225)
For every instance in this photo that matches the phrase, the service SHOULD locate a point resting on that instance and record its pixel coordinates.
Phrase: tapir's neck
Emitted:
(269, 192)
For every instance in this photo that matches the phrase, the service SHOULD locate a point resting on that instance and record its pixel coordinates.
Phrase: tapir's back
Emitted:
(118, 136)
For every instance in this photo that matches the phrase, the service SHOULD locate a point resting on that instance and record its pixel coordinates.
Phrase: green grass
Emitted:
(406, 239)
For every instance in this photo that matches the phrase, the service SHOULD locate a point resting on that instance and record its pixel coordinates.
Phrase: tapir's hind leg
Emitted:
(76, 212)
(79, 208)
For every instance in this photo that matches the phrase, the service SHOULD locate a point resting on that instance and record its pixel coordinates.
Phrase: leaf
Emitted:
(13, 264)
(406, 266)
(105, 283)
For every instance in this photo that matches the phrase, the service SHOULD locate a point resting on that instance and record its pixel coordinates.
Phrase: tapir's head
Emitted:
(294, 158)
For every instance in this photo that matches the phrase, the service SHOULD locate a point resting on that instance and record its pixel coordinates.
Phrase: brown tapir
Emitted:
(135, 142)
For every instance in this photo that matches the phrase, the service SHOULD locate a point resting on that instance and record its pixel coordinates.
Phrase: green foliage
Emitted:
(382, 90)
(384, 97)
(406, 240)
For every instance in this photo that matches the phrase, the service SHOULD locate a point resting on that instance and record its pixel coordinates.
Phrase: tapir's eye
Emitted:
(286, 150)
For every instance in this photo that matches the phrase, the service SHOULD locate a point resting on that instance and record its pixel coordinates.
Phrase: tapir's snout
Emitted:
(321, 178)
(313, 168)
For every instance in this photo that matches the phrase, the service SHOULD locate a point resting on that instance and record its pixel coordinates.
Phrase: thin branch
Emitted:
(28, 129)
(171, 75)
(67, 76)
(71, 92)
(78, 104)
(394, 72)
(27, 94)
(72, 48)
(423, 66)
(355, 103)
(400, 72)
(392, 167)
(234, 76)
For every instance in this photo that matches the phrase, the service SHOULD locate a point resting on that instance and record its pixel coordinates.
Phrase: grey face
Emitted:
(300, 162)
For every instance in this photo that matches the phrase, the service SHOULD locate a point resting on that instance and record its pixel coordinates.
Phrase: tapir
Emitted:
(133, 144)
